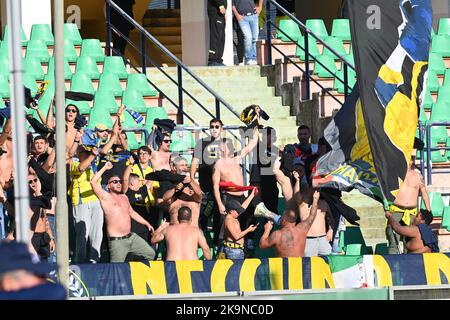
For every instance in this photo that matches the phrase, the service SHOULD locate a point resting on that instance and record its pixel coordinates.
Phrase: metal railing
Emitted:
(141, 49)
(308, 56)
(429, 148)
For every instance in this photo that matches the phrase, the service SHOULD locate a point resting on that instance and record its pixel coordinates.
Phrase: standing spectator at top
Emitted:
(122, 25)
(247, 14)
(206, 153)
(217, 10)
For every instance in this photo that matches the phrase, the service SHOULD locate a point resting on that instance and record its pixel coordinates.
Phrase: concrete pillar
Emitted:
(228, 55)
(35, 12)
(194, 32)
(3, 15)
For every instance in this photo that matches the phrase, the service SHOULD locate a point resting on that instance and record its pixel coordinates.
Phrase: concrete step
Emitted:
(241, 83)
(161, 22)
(165, 31)
(169, 39)
(229, 94)
(370, 233)
(213, 71)
(162, 13)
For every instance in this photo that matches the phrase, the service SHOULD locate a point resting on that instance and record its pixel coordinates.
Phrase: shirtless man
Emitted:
(290, 240)
(118, 212)
(233, 246)
(182, 239)
(405, 205)
(160, 158)
(318, 239)
(185, 194)
(228, 168)
(71, 114)
(415, 243)
(41, 234)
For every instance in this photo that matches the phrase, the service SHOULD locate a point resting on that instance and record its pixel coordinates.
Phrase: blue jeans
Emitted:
(2, 222)
(250, 29)
(52, 223)
(233, 253)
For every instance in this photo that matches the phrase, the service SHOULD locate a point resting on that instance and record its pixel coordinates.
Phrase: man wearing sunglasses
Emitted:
(206, 153)
(118, 215)
(160, 158)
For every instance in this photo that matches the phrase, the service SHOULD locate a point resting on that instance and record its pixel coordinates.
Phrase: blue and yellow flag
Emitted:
(391, 41)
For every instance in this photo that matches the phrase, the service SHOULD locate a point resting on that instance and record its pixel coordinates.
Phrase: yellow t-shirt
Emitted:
(142, 175)
(80, 190)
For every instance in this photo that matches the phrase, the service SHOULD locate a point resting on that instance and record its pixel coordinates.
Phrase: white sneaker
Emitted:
(252, 62)
(241, 64)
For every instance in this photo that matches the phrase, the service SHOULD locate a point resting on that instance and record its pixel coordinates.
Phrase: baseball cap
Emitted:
(15, 256)
(234, 205)
(101, 127)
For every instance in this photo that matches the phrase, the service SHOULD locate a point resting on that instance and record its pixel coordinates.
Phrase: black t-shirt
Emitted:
(262, 162)
(245, 6)
(137, 201)
(208, 152)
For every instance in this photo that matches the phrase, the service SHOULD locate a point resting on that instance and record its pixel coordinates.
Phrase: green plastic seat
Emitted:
(436, 202)
(99, 116)
(133, 144)
(154, 113)
(72, 33)
(115, 64)
(42, 32)
(110, 82)
(29, 81)
(139, 82)
(128, 122)
(441, 44)
(422, 115)
(67, 70)
(4, 86)
(381, 248)
(440, 111)
(312, 48)
(318, 27)
(182, 140)
(427, 101)
(4, 67)
(290, 28)
(350, 57)
(92, 48)
(38, 49)
(23, 37)
(2, 102)
(444, 26)
(354, 249)
(444, 94)
(339, 85)
(88, 66)
(134, 100)
(83, 106)
(46, 99)
(438, 135)
(33, 66)
(337, 45)
(106, 101)
(322, 62)
(82, 83)
(436, 63)
(433, 81)
(69, 51)
(4, 50)
(446, 82)
(446, 218)
(341, 29)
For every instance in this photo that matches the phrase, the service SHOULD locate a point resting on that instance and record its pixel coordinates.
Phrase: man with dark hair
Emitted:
(217, 10)
(419, 236)
(290, 240)
(206, 153)
(118, 215)
(40, 146)
(183, 239)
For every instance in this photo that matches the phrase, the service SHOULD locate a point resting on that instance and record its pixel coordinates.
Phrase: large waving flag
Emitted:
(391, 40)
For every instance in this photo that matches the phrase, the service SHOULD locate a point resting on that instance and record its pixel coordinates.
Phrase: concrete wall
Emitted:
(194, 32)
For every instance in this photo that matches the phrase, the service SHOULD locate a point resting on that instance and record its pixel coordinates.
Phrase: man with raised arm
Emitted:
(182, 239)
(290, 240)
(118, 215)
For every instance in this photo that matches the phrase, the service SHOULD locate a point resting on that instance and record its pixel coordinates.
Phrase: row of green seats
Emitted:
(340, 29)
(43, 32)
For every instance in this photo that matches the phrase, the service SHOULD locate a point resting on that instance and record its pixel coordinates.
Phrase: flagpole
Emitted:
(62, 229)
(21, 194)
